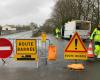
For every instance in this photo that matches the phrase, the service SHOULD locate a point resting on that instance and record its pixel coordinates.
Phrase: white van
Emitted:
(80, 26)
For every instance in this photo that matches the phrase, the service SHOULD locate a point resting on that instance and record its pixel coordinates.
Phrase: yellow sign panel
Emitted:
(21, 57)
(43, 37)
(77, 56)
(26, 49)
(75, 47)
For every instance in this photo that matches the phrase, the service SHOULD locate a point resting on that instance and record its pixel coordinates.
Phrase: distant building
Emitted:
(8, 27)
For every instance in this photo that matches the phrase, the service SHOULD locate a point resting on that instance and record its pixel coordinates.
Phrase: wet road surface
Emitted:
(54, 70)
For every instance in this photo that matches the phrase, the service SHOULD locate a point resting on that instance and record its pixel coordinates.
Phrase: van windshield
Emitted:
(82, 26)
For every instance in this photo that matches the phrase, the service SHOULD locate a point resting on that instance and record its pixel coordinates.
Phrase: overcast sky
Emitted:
(25, 11)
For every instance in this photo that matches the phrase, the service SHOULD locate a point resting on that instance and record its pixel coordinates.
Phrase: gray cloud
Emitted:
(25, 11)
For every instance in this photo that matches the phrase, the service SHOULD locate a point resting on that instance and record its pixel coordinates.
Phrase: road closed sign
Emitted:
(26, 50)
(6, 48)
(75, 49)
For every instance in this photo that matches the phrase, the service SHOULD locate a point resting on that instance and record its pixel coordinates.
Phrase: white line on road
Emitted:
(5, 48)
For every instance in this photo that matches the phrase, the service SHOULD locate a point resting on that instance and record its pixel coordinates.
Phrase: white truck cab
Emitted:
(80, 26)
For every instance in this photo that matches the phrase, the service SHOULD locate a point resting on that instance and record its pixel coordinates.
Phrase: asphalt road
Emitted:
(54, 70)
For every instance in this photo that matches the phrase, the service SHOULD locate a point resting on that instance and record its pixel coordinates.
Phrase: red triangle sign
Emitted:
(75, 44)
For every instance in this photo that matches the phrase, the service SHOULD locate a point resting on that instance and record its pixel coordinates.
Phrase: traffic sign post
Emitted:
(75, 49)
(5, 48)
(26, 50)
(43, 37)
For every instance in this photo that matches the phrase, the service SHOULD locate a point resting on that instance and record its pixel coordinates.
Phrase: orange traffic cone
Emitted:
(90, 50)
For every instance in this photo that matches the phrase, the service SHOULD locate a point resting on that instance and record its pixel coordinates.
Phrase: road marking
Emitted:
(5, 48)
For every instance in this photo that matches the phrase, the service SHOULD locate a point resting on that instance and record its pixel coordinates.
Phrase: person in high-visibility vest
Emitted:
(57, 32)
(96, 37)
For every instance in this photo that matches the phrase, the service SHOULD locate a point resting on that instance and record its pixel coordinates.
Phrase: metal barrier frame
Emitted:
(38, 42)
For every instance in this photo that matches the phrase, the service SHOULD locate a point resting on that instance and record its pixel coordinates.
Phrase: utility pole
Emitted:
(0, 30)
(98, 10)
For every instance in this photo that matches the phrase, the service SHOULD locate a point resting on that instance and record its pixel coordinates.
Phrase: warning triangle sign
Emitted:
(75, 44)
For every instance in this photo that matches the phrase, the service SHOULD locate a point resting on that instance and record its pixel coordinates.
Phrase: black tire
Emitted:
(70, 36)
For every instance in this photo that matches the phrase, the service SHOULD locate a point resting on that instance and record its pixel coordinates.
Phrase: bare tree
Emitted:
(98, 11)
(67, 10)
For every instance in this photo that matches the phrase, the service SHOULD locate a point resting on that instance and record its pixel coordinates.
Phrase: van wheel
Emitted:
(84, 40)
(70, 36)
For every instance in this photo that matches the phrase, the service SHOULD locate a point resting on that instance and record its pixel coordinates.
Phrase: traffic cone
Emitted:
(90, 50)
